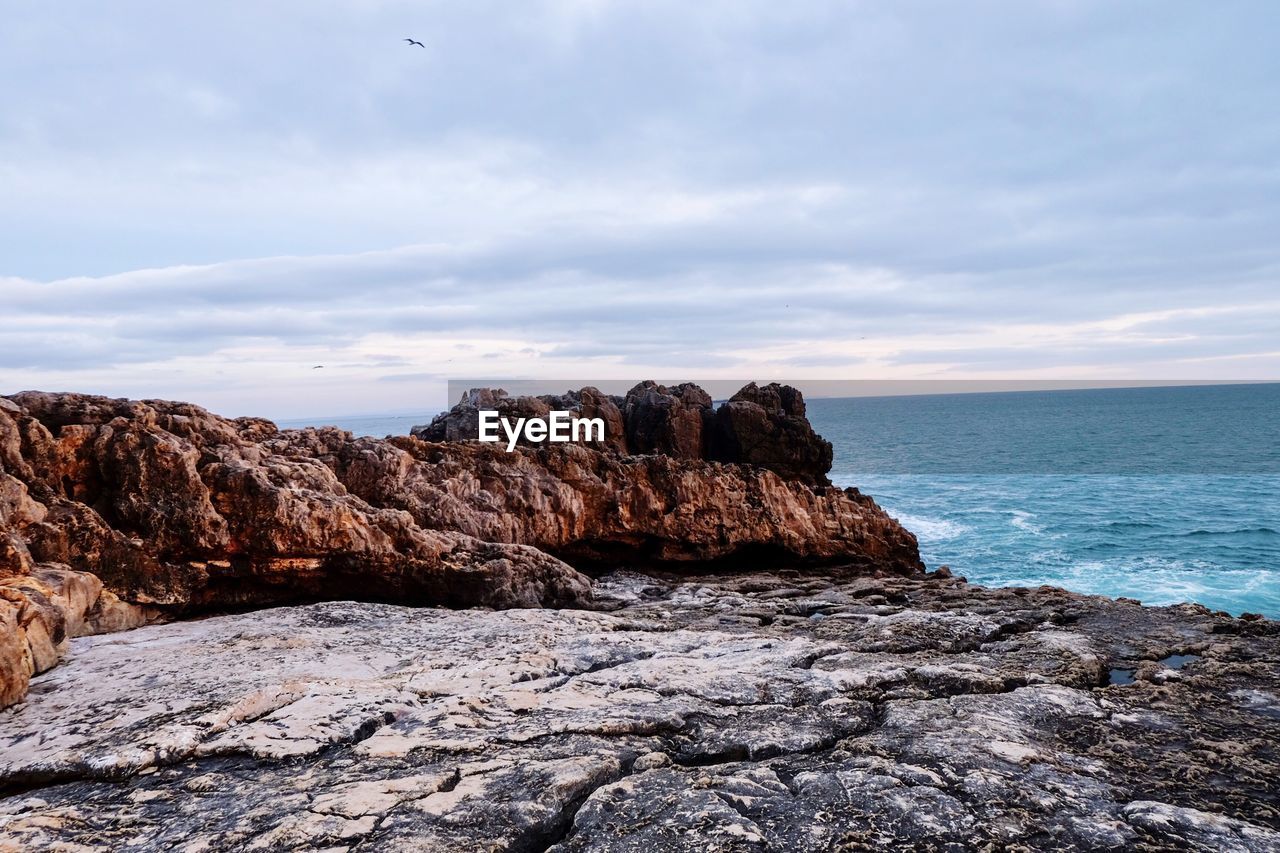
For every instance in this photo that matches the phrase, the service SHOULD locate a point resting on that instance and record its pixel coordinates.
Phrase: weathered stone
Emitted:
(764, 426)
(15, 558)
(766, 711)
(170, 505)
(39, 611)
(15, 666)
(670, 421)
(767, 426)
(462, 422)
(599, 510)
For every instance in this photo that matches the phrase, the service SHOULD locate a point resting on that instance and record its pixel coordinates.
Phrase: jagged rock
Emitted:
(462, 422)
(171, 505)
(590, 402)
(761, 711)
(15, 558)
(15, 654)
(767, 426)
(41, 610)
(761, 426)
(598, 510)
(665, 420)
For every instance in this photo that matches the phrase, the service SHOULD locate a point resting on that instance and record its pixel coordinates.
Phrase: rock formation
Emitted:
(154, 509)
(761, 426)
(768, 427)
(805, 711)
(462, 422)
(664, 420)
(598, 510)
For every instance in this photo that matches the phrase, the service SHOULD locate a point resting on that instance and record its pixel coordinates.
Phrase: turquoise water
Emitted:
(1159, 494)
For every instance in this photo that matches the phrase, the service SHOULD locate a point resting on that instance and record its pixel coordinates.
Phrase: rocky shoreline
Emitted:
(774, 669)
(763, 711)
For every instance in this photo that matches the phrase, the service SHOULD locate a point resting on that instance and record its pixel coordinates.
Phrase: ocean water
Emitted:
(378, 426)
(1159, 494)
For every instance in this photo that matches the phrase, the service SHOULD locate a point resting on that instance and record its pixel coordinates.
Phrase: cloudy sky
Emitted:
(206, 201)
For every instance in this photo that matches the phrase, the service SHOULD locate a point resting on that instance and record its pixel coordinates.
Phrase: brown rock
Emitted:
(15, 559)
(170, 505)
(590, 402)
(39, 612)
(764, 426)
(767, 426)
(599, 510)
(15, 673)
(462, 422)
(667, 420)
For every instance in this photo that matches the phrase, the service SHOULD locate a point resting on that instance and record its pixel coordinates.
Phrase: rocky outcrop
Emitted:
(762, 426)
(172, 506)
(767, 426)
(174, 510)
(43, 609)
(462, 422)
(163, 508)
(598, 510)
(671, 421)
(760, 711)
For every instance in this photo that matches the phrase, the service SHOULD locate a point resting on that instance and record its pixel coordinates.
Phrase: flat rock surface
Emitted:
(787, 711)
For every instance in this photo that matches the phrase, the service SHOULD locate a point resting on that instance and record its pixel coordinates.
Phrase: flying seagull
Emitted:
(418, 43)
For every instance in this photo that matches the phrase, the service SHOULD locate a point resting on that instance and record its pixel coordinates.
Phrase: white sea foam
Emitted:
(1022, 521)
(1152, 581)
(932, 529)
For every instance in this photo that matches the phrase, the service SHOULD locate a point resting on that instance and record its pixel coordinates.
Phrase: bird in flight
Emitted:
(418, 43)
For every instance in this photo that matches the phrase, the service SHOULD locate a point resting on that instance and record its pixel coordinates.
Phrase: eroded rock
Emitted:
(762, 426)
(767, 711)
(670, 421)
(767, 426)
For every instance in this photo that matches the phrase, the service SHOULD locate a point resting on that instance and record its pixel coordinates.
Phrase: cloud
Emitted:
(576, 186)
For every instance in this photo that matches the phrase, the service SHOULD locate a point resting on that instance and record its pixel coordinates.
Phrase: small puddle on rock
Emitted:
(1127, 676)
(1121, 676)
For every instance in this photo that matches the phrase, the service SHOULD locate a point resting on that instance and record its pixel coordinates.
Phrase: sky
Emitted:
(282, 208)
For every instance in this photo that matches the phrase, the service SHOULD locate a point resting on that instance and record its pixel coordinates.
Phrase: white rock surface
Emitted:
(713, 714)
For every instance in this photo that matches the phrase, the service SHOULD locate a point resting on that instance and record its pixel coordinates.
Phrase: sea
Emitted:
(1161, 494)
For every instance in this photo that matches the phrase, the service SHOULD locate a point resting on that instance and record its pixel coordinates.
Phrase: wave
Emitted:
(932, 528)
(1158, 540)
(1239, 531)
(1021, 520)
(1153, 582)
(1131, 525)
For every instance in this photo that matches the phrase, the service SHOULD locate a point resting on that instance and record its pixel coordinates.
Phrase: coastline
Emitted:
(774, 669)
(765, 710)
